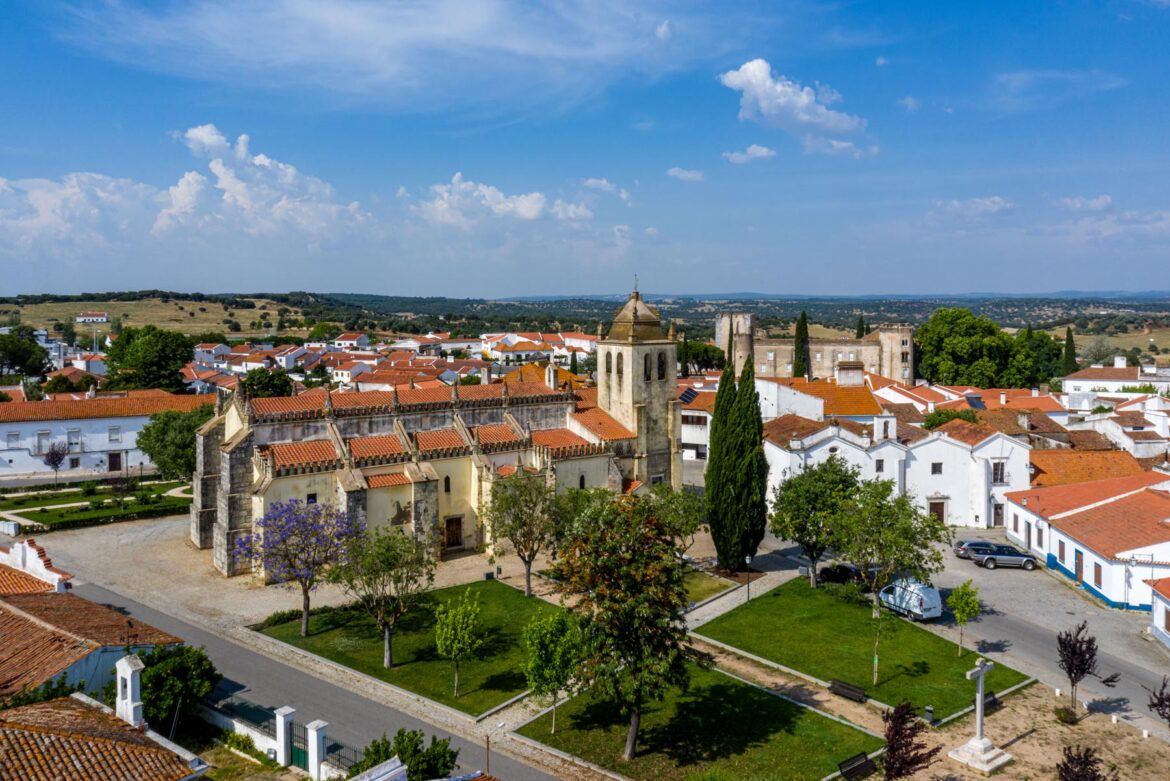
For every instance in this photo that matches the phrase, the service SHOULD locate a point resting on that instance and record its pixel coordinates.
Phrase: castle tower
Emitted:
(736, 331)
(637, 368)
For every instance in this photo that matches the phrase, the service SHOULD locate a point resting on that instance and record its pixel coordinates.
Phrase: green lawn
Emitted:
(51, 498)
(83, 516)
(816, 633)
(350, 638)
(720, 725)
(702, 586)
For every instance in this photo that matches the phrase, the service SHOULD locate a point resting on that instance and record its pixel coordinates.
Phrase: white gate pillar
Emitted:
(316, 741)
(284, 717)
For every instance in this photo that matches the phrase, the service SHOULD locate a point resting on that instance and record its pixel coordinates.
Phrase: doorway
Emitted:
(939, 511)
(1027, 535)
(997, 514)
(115, 462)
(1079, 558)
(453, 532)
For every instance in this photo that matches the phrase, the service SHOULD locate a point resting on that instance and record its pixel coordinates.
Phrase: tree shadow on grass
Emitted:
(506, 681)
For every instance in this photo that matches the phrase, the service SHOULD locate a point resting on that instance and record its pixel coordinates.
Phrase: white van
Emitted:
(916, 600)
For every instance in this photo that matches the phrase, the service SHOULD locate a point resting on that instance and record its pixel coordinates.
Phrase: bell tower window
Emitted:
(646, 367)
(609, 363)
(662, 364)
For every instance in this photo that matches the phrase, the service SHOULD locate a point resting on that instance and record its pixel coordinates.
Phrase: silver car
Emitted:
(994, 556)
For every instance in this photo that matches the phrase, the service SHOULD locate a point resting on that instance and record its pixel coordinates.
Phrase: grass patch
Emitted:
(348, 636)
(52, 498)
(702, 586)
(719, 725)
(816, 633)
(76, 517)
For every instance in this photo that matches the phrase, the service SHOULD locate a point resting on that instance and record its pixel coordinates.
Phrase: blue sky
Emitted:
(517, 148)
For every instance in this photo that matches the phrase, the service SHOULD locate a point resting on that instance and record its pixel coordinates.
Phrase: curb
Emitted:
(487, 714)
(534, 744)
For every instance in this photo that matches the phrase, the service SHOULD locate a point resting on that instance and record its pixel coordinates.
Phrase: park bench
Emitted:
(695, 653)
(859, 766)
(991, 702)
(847, 690)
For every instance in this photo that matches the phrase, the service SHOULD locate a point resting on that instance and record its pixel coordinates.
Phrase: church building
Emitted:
(426, 459)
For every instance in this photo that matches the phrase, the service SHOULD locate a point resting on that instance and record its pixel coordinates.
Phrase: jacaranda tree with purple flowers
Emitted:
(296, 543)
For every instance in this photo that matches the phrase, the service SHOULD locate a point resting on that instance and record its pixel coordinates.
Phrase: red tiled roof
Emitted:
(1089, 440)
(968, 433)
(1131, 522)
(495, 434)
(1132, 419)
(68, 740)
(840, 400)
(1161, 586)
(557, 438)
(14, 581)
(1061, 467)
(602, 425)
(387, 481)
(312, 452)
(1058, 499)
(586, 398)
(89, 620)
(101, 407)
(703, 401)
(1105, 373)
(33, 653)
(382, 446)
(438, 440)
(782, 430)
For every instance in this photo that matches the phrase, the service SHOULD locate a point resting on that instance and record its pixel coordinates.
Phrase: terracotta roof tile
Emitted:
(102, 407)
(382, 446)
(558, 439)
(1135, 521)
(495, 434)
(703, 402)
(1162, 587)
(438, 440)
(782, 430)
(1089, 440)
(1055, 500)
(14, 581)
(387, 481)
(840, 400)
(33, 653)
(602, 425)
(968, 433)
(89, 620)
(1060, 467)
(312, 452)
(1105, 373)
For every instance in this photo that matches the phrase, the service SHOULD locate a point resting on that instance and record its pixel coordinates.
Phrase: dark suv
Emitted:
(1003, 556)
(966, 549)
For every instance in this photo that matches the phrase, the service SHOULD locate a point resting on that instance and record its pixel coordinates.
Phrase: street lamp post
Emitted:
(487, 760)
(747, 560)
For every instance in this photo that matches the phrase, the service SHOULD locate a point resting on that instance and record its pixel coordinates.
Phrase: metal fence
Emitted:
(342, 756)
(259, 717)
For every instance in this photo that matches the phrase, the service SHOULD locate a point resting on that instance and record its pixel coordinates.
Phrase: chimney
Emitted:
(1035, 392)
(1119, 362)
(1024, 422)
(550, 375)
(129, 695)
(1003, 398)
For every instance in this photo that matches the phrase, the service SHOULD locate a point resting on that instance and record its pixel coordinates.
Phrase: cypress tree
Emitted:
(717, 491)
(684, 357)
(1068, 363)
(750, 472)
(573, 362)
(860, 326)
(800, 351)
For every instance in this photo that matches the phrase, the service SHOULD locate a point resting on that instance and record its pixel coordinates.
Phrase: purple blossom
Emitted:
(294, 543)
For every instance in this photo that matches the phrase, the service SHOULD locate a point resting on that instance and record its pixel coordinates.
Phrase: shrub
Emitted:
(1065, 714)
(96, 504)
(850, 593)
(240, 742)
(89, 488)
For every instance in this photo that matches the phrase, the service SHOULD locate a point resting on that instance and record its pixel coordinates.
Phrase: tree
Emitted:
(385, 572)
(906, 752)
(1077, 657)
(807, 505)
(521, 512)
(169, 440)
(68, 332)
(964, 604)
(20, 354)
(885, 533)
(55, 457)
(684, 357)
(624, 567)
(324, 332)
(573, 362)
(942, 417)
(457, 632)
(1068, 362)
(148, 357)
(800, 367)
(554, 651)
(860, 327)
(1082, 764)
(422, 762)
(176, 680)
(1098, 351)
(716, 478)
(266, 383)
(470, 379)
(958, 348)
(1160, 700)
(59, 384)
(294, 544)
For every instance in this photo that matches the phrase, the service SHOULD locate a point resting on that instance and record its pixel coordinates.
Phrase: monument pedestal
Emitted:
(980, 754)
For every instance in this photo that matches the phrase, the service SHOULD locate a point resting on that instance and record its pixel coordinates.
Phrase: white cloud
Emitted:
(401, 192)
(881, 62)
(462, 203)
(753, 152)
(1083, 204)
(419, 55)
(910, 103)
(602, 184)
(818, 145)
(783, 103)
(1019, 91)
(81, 212)
(685, 174)
(973, 208)
(184, 200)
(621, 239)
(205, 140)
(575, 212)
(652, 232)
(1116, 227)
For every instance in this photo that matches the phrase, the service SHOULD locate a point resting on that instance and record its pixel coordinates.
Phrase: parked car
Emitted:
(1004, 556)
(840, 573)
(963, 548)
(912, 598)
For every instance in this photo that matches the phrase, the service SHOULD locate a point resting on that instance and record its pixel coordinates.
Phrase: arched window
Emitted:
(581, 482)
(608, 363)
(646, 367)
(662, 364)
(885, 429)
(447, 484)
(620, 365)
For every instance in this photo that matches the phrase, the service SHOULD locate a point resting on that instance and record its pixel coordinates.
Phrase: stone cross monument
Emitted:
(978, 752)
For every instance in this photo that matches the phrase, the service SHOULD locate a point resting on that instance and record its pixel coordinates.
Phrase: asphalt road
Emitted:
(352, 719)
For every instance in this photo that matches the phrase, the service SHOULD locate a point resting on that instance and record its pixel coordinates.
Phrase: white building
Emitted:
(1160, 613)
(1108, 536)
(1118, 378)
(351, 340)
(844, 396)
(698, 407)
(92, 317)
(101, 433)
